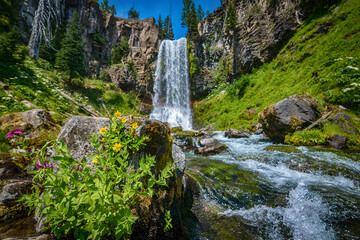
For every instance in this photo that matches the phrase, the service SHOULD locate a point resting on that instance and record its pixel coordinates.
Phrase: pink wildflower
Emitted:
(18, 131)
(10, 135)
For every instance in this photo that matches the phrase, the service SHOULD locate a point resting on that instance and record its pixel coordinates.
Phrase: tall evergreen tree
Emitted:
(133, 14)
(200, 13)
(193, 21)
(185, 15)
(169, 34)
(161, 28)
(106, 8)
(207, 13)
(70, 58)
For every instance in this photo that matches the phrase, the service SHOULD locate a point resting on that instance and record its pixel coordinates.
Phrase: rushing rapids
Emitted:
(251, 193)
(171, 88)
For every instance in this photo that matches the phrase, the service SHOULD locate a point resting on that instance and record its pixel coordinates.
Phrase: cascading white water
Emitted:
(172, 94)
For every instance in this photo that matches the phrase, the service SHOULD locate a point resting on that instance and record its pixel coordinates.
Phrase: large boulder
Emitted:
(210, 146)
(234, 133)
(150, 224)
(287, 116)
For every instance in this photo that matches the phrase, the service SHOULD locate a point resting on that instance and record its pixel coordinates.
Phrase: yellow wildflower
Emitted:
(97, 156)
(94, 161)
(124, 120)
(103, 139)
(135, 126)
(115, 130)
(103, 130)
(117, 147)
(118, 114)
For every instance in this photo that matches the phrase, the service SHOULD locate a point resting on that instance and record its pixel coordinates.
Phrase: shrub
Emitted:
(121, 51)
(95, 201)
(105, 76)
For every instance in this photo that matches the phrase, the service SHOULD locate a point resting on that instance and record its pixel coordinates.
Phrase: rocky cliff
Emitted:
(263, 27)
(101, 33)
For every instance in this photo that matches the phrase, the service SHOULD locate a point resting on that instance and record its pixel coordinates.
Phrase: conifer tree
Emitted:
(200, 13)
(133, 14)
(70, 58)
(168, 30)
(207, 13)
(161, 28)
(189, 18)
(106, 8)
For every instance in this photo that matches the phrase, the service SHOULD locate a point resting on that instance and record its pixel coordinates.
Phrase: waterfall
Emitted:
(171, 89)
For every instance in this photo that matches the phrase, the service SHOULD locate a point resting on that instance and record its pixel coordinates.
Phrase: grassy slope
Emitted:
(38, 84)
(315, 65)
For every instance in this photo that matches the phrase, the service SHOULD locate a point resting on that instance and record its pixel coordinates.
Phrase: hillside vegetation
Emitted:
(322, 59)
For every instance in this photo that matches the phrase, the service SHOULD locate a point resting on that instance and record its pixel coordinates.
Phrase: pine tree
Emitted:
(193, 21)
(200, 13)
(113, 10)
(185, 15)
(133, 14)
(168, 30)
(161, 28)
(70, 58)
(207, 13)
(105, 6)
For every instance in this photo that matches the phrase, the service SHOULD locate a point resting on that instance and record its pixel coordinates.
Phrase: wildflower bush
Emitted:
(95, 201)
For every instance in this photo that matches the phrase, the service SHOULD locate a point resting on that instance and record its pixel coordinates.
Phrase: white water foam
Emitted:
(304, 217)
(172, 93)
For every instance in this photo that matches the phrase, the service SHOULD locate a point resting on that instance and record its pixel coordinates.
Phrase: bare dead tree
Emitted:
(48, 13)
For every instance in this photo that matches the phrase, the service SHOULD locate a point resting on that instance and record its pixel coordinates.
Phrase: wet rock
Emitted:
(234, 133)
(338, 141)
(210, 146)
(182, 141)
(287, 116)
(179, 157)
(282, 148)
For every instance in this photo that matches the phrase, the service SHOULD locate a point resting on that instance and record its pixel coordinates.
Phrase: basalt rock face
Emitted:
(263, 28)
(101, 33)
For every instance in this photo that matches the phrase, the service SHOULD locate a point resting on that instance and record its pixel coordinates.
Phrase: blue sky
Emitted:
(152, 8)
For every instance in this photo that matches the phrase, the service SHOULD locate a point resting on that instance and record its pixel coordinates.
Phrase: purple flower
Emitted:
(48, 165)
(28, 150)
(39, 165)
(10, 135)
(18, 131)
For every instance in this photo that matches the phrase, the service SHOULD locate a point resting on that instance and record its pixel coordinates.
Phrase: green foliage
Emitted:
(95, 201)
(168, 224)
(105, 76)
(194, 65)
(133, 14)
(70, 57)
(106, 8)
(200, 13)
(315, 64)
(165, 28)
(131, 67)
(10, 49)
(121, 51)
(231, 21)
(307, 138)
(168, 29)
(189, 18)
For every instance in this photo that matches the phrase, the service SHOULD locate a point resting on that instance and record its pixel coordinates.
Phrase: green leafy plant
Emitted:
(168, 224)
(96, 201)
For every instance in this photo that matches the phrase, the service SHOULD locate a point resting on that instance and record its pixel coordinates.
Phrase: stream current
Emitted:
(251, 193)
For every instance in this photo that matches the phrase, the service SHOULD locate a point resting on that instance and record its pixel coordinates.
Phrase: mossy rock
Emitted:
(283, 149)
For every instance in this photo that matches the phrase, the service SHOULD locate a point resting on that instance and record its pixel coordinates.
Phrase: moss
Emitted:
(281, 148)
